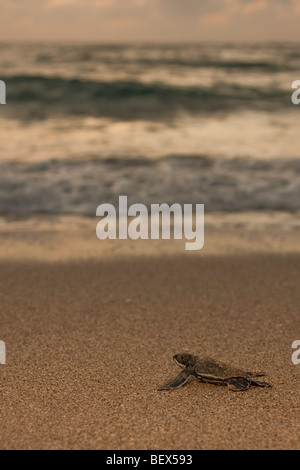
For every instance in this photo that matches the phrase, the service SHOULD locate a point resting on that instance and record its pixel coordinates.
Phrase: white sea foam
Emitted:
(69, 187)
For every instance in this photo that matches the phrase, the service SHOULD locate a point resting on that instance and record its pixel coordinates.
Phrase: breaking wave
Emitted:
(70, 187)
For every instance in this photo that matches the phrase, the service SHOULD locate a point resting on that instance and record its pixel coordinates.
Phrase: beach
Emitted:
(149, 207)
(91, 327)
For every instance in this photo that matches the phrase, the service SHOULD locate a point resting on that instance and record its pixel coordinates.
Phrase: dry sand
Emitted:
(90, 331)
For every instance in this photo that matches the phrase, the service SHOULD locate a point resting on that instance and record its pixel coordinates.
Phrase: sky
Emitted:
(150, 20)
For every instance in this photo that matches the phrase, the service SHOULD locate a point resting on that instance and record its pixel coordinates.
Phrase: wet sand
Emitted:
(90, 336)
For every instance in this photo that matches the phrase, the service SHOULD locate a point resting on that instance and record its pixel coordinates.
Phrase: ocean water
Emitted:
(193, 123)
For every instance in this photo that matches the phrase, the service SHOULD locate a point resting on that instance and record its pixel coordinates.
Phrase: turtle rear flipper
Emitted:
(259, 383)
(183, 378)
(238, 384)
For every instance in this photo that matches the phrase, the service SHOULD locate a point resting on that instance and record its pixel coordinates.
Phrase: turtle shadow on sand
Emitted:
(207, 370)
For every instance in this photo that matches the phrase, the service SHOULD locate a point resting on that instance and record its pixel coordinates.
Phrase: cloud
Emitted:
(254, 5)
(59, 3)
(185, 7)
(114, 5)
(215, 19)
(190, 7)
(148, 19)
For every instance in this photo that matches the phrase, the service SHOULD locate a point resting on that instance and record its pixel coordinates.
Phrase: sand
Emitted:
(90, 331)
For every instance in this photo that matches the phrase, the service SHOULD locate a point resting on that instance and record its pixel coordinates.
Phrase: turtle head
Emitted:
(184, 360)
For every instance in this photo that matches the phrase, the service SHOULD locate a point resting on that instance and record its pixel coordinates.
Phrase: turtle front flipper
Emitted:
(256, 374)
(183, 378)
(238, 384)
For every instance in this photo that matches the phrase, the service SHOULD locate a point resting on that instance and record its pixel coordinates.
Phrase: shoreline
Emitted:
(55, 238)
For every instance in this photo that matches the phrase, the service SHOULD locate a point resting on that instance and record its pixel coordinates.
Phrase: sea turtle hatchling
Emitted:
(208, 370)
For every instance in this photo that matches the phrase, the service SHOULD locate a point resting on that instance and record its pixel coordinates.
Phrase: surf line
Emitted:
(163, 221)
